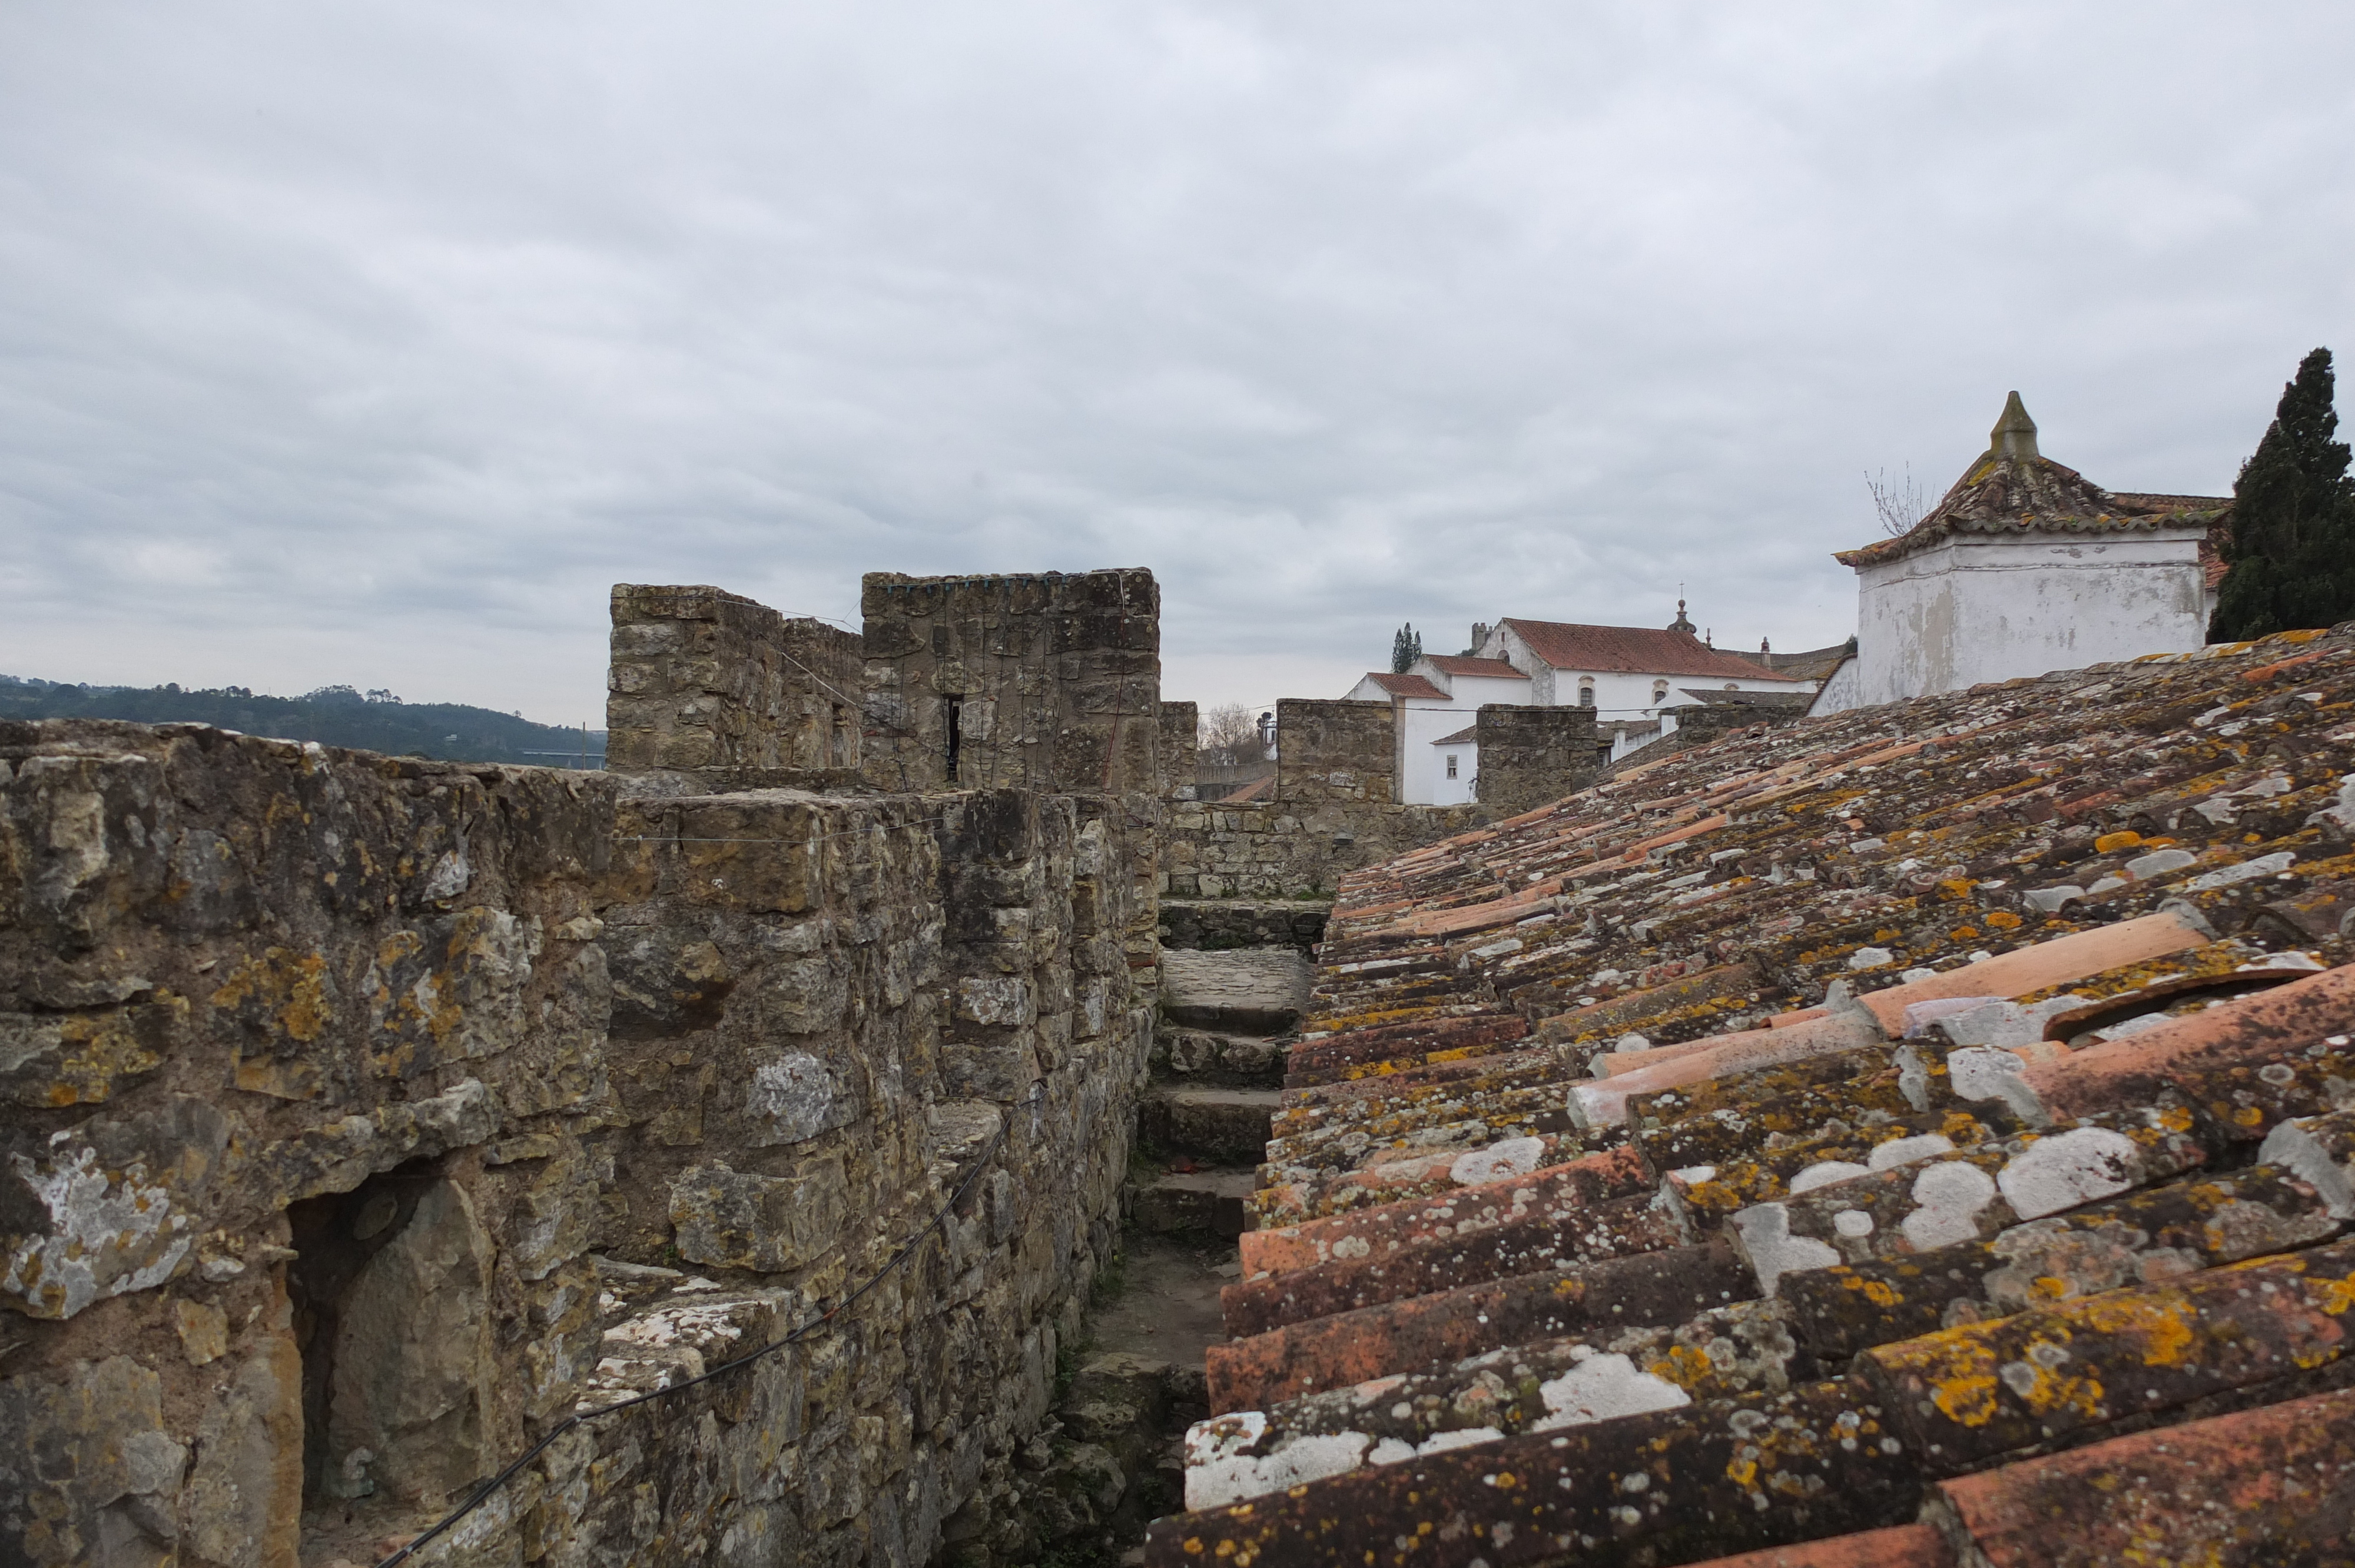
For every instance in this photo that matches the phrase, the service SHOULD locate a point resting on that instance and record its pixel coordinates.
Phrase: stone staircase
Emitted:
(1227, 1016)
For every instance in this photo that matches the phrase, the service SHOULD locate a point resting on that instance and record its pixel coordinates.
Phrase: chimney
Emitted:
(2014, 435)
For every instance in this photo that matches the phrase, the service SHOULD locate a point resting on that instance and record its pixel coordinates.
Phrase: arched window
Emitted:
(1659, 693)
(1732, 687)
(1586, 692)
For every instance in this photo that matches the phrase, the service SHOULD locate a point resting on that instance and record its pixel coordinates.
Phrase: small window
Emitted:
(1659, 693)
(1732, 687)
(1586, 694)
(1450, 765)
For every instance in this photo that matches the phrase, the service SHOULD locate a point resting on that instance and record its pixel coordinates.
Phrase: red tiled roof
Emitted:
(1405, 685)
(1486, 669)
(1668, 1170)
(1637, 650)
(1461, 738)
(2008, 494)
(1258, 789)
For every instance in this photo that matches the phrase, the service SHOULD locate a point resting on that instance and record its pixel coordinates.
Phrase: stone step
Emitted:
(1198, 1055)
(1229, 1125)
(1235, 990)
(1206, 1202)
(1210, 924)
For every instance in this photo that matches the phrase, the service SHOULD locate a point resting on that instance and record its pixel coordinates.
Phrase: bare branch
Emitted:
(1900, 504)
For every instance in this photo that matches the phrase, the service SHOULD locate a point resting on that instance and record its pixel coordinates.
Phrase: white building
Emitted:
(2026, 568)
(1630, 676)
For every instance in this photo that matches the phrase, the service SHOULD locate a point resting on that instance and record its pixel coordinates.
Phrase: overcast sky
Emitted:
(369, 344)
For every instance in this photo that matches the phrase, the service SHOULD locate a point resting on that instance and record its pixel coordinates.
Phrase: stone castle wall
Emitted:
(1047, 682)
(1283, 849)
(1180, 746)
(1335, 750)
(703, 681)
(1532, 757)
(371, 1116)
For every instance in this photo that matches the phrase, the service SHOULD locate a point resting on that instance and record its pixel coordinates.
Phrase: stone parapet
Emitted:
(371, 1117)
(704, 679)
(1335, 750)
(1280, 849)
(1047, 682)
(1533, 756)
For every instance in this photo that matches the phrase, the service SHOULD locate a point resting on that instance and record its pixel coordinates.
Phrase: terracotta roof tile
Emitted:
(1462, 664)
(1405, 685)
(1956, 1026)
(1636, 650)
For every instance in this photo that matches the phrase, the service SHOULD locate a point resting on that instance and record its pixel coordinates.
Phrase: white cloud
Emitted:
(371, 346)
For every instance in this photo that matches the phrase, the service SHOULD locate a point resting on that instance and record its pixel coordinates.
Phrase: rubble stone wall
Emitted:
(1532, 757)
(1049, 682)
(1181, 741)
(1282, 849)
(702, 680)
(370, 1116)
(1335, 750)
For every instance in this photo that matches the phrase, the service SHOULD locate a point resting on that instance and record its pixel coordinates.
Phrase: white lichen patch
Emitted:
(110, 1232)
(1601, 1387)
(1220, 1468)
(2069, 1169)
(1498, 1162)
(1948, 1198)
(1762, 1232)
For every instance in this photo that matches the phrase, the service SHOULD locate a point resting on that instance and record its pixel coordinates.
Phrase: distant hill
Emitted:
(332, 715)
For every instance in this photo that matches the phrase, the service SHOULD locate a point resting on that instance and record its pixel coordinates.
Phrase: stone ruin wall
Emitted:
(369, 1116)
(1180, 743)
(1334, 811)
(705, 688)
(1046, 681)
(1339, 750)
(1532, 757)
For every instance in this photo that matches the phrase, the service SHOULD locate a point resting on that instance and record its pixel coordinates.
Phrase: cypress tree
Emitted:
(1406, 646)
(2291, 554)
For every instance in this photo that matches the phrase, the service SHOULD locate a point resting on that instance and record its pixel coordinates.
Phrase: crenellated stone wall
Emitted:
(1040, 681)
(1286, 849)
(703, 683)
(1180, 745)
(1335, 750)
(1532, 757)
(370, 1117)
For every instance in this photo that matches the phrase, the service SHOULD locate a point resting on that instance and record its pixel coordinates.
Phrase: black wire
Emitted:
(1035, 1094)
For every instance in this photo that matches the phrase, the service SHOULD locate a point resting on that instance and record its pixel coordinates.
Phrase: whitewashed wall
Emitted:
(1455, 791)
(1970, 610)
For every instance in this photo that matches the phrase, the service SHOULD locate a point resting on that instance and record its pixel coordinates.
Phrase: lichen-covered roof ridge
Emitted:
(2002, 1036)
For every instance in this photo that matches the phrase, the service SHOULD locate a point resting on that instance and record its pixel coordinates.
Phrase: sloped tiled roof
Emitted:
(1486, 669)
(2012, 489)
(1636, 650)
(1908, 1137)
(1405, 685)
(1259, 788)
(1465, 736)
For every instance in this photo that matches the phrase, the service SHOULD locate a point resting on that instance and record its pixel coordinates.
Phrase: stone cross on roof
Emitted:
(2014, 435)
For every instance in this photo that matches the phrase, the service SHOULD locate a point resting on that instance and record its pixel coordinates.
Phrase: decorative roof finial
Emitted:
(2014, 435)
(1681, 623)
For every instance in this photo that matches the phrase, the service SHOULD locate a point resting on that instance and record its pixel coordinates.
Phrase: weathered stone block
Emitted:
(731, 1220)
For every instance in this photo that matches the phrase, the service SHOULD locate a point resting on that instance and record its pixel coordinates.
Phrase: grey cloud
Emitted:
(371, 343)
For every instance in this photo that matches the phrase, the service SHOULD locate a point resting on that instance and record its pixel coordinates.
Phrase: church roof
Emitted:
(1464, 664)
(1405, 685)
(2014, 489)
(1636, 650)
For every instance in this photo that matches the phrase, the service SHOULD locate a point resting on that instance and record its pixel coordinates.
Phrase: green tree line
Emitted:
(331, 715)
